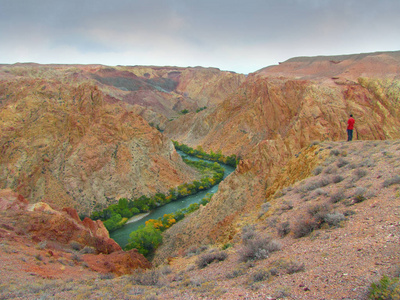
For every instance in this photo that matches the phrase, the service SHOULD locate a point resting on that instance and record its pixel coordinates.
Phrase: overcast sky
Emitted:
(241, 36)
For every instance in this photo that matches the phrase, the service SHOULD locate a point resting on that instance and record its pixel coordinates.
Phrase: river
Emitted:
(121, 235)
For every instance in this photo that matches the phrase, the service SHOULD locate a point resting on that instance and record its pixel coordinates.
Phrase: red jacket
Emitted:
(350, 123)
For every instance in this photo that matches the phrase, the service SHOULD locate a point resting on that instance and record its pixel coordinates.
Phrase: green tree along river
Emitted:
(121, 235)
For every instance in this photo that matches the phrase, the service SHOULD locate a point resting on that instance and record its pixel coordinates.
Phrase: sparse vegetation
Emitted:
(283, 228)
(387, 288)
(148, 277)
(341, 162)
(393, 180)
(337, 196)
(318, 183)
(303, 226)
(205, 259)
(334, 219)
(318, 170)
(316, 217)
(260, 276)
(359, 173)
(337, 178)
(257, 247)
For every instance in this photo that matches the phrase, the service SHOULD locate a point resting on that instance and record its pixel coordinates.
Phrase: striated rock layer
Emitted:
(274, 114)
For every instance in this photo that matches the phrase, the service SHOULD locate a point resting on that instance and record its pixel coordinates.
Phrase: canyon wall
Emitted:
(277, 112)
(62, 142)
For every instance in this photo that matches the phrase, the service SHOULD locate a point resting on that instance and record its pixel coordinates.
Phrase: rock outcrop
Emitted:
(60, 232)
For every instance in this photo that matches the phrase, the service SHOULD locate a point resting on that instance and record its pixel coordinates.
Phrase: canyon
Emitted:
(84, 136)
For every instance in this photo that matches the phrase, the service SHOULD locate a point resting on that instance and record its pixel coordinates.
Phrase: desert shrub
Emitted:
(319, 192)
(335, 152)
(260, 276)
(294, 267)
(286, 205)
(226, 246)
(248, 232)
(274, 271)
(359, 173)
(330, 170)
(238, 271)
(271, 222)
(387, 288)
(393, 180)
(310, 186)
(165, 270)
(352, 166)
(359, 198)
(337, 178)
(318, 209)
(107, 276)
(76, 257)
(359, 195)
(348, 213)
(88, 250)
(283, 229)
(366, 163)
(281, 292)
(75, 245)
(41, 245)
(334, 219)
(136, 291)
(265, 207)
(207, 258)
(338, 196)
(318, 170)
(303, 226)
(149, 278)
(193, 250)
(258, 248)
(341, 162)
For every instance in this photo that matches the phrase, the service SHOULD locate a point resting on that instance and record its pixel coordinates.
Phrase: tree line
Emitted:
(231, 160)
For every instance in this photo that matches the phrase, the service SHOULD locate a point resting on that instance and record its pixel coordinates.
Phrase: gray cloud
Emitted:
(242, 36)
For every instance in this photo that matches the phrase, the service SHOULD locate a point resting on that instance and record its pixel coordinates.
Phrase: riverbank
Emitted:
(137, 218)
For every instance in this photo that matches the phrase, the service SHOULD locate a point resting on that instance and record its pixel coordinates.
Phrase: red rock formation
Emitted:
(57, 231)
(119, 262)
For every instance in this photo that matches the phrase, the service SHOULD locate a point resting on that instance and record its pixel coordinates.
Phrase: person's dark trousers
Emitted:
(349, 134)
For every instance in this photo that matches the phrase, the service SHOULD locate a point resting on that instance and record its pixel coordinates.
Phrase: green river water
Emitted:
(121, 235)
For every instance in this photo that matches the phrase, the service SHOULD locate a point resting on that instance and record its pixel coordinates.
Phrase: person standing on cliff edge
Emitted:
(350, 127)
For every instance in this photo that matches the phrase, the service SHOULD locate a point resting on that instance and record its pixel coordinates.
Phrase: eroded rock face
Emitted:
(43, 223)
(62, 232)
(63, 144)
